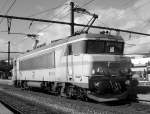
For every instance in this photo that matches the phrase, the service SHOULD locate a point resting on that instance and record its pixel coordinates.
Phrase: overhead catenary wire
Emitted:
(57, 15)
(46, 27)
(11, 52)
(87, 3)
(68, 23)
(10, 7)
(54, 15)
(45, 11)
(37, 32)
(32, 19)
(8, 10)
(16, 44)
(134, 9)
(4, 5)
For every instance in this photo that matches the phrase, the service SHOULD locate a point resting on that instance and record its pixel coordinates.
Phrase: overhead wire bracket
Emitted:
(91, 21)
(30, 24)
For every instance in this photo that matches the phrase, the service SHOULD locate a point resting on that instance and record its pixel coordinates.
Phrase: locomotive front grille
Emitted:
(107, 85)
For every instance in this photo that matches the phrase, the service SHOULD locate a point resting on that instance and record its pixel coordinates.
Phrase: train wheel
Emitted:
(15, 83)
(85, 98)
(82, 94)
(23, 85)
(62, 91)
(19, 84)
(70, 92)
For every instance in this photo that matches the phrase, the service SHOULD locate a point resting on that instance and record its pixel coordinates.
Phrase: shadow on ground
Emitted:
(119, 103)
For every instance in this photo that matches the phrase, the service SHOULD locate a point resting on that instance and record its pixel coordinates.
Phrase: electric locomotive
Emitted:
(82, 66)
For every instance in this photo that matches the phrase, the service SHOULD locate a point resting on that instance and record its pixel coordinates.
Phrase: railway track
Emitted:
(72, 106)
(12, 108)
(19, 103)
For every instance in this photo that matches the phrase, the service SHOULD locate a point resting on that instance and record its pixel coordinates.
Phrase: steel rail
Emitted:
(11, 108)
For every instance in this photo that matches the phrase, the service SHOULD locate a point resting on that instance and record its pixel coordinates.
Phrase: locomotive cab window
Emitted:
(68, 50)
(111, 47)
(115, 47)
(75, 48)
(95, 47)
(79, 47)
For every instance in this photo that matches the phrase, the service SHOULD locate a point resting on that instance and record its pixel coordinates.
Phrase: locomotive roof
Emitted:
(78, 37)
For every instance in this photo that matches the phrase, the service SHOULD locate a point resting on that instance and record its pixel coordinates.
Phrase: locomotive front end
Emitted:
(111, 81)
(108, 70)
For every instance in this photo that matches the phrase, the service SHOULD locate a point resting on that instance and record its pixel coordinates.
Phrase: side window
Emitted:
(39, 62)
(52, 60)
(79, 47)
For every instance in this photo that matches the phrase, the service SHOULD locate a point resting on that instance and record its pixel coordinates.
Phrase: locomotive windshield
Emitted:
(96, 47)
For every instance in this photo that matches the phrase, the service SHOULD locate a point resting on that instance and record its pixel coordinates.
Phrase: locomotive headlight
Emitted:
(93, 71)
(97, 70)
(100, 70)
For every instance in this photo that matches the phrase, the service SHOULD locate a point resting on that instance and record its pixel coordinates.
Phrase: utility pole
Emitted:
(8, 53)
(72, 18)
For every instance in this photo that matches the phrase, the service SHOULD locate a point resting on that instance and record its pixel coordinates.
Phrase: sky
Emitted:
(122, 14)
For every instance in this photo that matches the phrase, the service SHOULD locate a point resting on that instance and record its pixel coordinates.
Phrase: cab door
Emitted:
(69, 63)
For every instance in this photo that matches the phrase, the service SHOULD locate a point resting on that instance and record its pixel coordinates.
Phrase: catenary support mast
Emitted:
(8, 53)
(72, 18)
